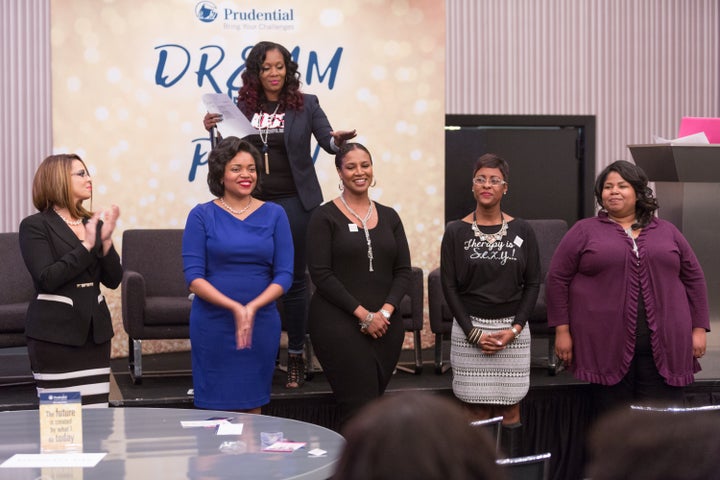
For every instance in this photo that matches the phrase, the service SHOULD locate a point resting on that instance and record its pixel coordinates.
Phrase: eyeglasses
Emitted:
(494, 181)
(81, 174)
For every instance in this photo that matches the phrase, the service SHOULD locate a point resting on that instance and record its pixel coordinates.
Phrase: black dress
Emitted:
(357, 366)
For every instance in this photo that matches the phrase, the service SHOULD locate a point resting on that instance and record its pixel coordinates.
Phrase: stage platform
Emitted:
(556, 413)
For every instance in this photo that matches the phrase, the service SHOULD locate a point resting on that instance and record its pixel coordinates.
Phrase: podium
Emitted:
(687, 180)
(687, 186)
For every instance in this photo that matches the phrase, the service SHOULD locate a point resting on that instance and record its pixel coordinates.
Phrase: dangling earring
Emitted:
(341, 187)
(374, 182)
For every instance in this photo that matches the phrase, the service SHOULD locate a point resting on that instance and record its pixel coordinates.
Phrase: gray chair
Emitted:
(548, 232)
(494, 428)
(155, 299)
(411, 311)
(16, 291)
(533, 467)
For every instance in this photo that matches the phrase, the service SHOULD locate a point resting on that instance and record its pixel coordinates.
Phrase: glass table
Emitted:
(151, 443)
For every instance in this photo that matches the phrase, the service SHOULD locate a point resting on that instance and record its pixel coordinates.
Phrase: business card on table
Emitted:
(284, 446)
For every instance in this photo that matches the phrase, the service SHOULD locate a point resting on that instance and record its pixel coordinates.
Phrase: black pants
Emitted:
(643, 384)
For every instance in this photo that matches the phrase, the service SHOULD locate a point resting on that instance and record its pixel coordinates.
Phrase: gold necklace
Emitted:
(232, 210)
(264, 139)
(490, 237)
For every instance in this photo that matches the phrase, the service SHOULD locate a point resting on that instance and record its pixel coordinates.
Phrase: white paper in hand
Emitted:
(234, 123)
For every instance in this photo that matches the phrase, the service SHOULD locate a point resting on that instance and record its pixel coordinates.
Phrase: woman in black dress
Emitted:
(359, 261)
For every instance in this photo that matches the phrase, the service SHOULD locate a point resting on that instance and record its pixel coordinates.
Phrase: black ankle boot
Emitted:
(511, 440)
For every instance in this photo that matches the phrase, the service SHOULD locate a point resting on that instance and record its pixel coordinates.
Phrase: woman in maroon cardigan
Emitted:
(628, 297)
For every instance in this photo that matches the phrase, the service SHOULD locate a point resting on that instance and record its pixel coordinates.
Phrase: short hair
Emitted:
(492, 160)
(347, 148)
(52, 187)
(422, 436)
(646, 203)
(655, 445)
(219, 157)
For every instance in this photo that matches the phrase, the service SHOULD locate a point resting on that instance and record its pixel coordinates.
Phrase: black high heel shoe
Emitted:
(295, 371)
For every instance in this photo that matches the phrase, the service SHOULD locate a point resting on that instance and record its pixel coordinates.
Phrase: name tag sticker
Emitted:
(352, 227)
(518, 241)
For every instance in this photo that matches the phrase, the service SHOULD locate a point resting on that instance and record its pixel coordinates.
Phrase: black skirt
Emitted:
(64, 368)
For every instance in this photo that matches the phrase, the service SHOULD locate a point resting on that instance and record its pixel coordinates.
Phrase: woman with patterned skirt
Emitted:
(490, 273)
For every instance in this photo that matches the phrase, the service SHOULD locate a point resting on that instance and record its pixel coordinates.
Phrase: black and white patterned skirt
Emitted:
(502, 378)
(63, 368)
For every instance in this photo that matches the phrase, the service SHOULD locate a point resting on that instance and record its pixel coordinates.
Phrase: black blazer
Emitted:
(67, 279)
(300, 126)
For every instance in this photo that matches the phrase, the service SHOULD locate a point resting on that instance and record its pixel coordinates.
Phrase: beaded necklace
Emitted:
(490, 237)
(232, 210)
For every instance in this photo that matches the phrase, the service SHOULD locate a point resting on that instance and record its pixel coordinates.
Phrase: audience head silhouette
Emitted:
(655, 445)
(419, 436)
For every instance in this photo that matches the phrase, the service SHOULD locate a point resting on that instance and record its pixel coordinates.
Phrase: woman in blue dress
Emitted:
(238, 260)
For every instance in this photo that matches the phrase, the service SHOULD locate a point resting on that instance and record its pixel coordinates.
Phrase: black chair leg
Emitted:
(440, 366)
(135, 360)
(417, 367)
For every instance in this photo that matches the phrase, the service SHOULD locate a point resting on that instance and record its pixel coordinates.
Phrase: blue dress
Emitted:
(240, 258)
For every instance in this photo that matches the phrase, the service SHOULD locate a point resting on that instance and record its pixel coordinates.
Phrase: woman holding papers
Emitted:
(69, 252)
(286, 119)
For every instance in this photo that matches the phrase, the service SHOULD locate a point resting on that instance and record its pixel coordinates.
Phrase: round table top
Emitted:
(151, 443)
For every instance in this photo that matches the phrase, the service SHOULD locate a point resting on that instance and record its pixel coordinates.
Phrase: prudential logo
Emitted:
(206, 11)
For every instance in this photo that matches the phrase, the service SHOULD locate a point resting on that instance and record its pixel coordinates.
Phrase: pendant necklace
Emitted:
(72, 223)
(490, 237)
(264, 138)
(232, 210)
(363, 221)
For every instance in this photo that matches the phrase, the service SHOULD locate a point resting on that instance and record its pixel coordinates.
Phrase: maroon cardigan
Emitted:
(593, 286)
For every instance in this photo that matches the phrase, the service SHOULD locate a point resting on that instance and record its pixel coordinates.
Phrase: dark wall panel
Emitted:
(546, 175)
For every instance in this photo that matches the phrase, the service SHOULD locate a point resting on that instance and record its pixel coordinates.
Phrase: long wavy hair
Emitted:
(646, 203)
(251, 95)
(52, 186)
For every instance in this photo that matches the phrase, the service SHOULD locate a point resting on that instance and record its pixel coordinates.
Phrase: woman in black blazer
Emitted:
(286, 120)
(69, 253)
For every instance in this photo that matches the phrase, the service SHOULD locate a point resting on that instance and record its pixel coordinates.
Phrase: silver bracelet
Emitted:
(515, 331)
(385, 313)
(368, 320)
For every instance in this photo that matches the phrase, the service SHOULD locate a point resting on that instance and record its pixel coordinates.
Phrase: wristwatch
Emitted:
(385, 313)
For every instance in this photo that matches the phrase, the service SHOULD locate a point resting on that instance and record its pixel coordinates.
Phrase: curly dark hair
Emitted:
(251, 95)
(492, 160)
(646, 203)
(347, 148)
(219, 158)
